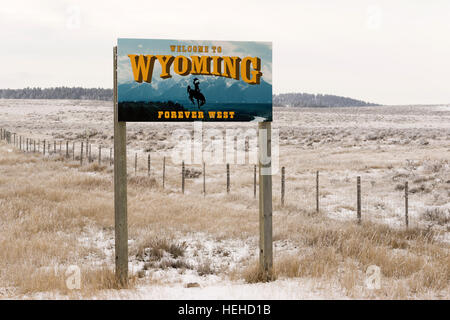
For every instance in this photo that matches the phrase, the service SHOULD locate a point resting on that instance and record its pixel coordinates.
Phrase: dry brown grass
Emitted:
(253, 274)
(47, 204)
(142, 181)
(437, 215)
(44, 207)
(41, 223)
(93, 167)
(411, 256)
(156, 247)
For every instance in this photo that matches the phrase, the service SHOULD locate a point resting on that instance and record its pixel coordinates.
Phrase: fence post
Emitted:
(148, 165)
(254, 182)
(87, 145)
(182, 177)
(60, 142)
(228, 178)
(44, 148)
(204, 179)
(73, 150)
(282, 185)
(67, 149)
(54, 146)
(99, 155)
(358, 194)
(317, 191)
(90, 153)
(81, 154)
(135, 163)
(164, 171)
(406, 205)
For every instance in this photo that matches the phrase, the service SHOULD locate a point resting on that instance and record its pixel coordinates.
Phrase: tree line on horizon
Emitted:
(316, 100)
(58, 93)
(79, 93)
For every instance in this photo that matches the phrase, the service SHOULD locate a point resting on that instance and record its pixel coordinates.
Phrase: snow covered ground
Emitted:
(205, 243)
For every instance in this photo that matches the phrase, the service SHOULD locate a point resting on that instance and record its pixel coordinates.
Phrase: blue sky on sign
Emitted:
(242, 49)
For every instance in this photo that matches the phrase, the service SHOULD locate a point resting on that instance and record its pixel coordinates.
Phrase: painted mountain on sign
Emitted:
(215, 90)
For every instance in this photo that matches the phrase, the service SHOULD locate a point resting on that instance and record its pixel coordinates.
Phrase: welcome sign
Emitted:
(182, 80)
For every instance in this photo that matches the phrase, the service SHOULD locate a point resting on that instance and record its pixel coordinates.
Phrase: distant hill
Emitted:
(57, 93)
(316, 100)
(219, 90)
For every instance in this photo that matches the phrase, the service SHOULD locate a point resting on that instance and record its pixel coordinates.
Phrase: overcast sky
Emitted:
(390, 52)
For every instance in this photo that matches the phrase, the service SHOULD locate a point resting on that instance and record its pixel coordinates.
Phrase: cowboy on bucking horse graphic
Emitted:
(196, 94)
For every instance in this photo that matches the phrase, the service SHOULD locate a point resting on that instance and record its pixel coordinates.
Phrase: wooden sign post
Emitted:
(265, 199)
(120, 190)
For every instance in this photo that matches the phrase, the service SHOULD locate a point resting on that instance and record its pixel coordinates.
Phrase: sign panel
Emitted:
(184, 80)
